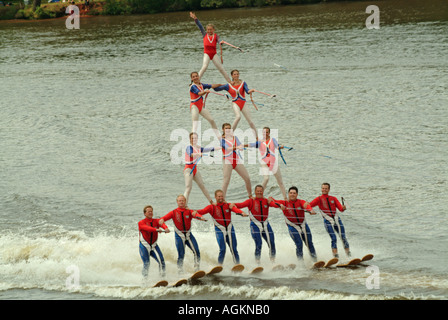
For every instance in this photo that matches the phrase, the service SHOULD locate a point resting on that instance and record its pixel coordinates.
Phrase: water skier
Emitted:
(269, 164)
(237, 89)
(197, 102)
(210, 41)
(225, 232)
(333, 223)
(294, 212)
(182, 226)
(259, 224)
(193, 155)
(148, 234)
(232, 160)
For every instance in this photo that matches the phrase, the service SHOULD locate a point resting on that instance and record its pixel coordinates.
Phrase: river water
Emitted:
(89, 120)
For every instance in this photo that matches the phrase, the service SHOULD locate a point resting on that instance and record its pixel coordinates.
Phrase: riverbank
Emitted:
(125, 7)
(48, 10)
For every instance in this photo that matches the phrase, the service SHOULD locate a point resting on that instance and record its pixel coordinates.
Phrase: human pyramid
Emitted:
(219, 209)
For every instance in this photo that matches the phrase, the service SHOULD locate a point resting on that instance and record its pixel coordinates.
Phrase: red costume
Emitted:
(210, 45)
(195, 98)
(259, 208)
(328, 204)
(294, 211)
(148, 229)
(220, 212)
(181, 218)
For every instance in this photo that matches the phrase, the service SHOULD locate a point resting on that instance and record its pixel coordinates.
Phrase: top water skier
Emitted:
(210, 40)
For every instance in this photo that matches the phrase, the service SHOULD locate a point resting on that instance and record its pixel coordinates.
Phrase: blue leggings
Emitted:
(332, 230)
(144, 254)
(299, 238)
(267, 235)
(191, 243)
(230, 239)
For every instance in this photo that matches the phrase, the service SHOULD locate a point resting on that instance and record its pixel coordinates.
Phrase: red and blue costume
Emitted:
(238, 94)
(298, 228)
(210, 42)
(191, 160)
(259, 224)
(183, 237)
(229, 155)
(195, 98)
(267, 151)
(148, 247)
(225, 232)
(333, 223)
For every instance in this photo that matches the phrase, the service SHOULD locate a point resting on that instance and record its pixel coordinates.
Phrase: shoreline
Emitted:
(48, 11)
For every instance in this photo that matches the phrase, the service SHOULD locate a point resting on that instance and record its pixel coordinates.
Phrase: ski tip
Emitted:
(180, 283)
(318, 264)
(354, 262)
(351, 263)
(331, 262)
(216, 269)
(198, 274)
(162, 283)
(238, 268)
(367, 257)
(257, 270)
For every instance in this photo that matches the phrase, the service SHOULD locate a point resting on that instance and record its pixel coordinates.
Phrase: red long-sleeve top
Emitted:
(181, 218)
(259, 207)
(220, 212)
(328, 204)
(148, 229)
(295, 210)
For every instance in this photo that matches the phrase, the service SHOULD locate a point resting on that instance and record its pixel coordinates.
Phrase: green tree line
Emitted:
(40, 9)
(158, 6)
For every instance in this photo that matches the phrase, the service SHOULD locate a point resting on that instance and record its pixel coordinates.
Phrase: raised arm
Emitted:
(198, 23)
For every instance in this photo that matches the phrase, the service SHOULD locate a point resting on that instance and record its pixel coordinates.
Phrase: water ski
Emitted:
(351, 263)
(180, 283)
(162, 283)
(367, 257)
(238, 268)
(216, 269)
(331, 262)
(278, 267)
(197, 275)
(318, 264)
(257, 270)
(291, 266)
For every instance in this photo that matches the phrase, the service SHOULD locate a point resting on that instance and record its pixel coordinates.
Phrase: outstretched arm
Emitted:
(198, 23)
